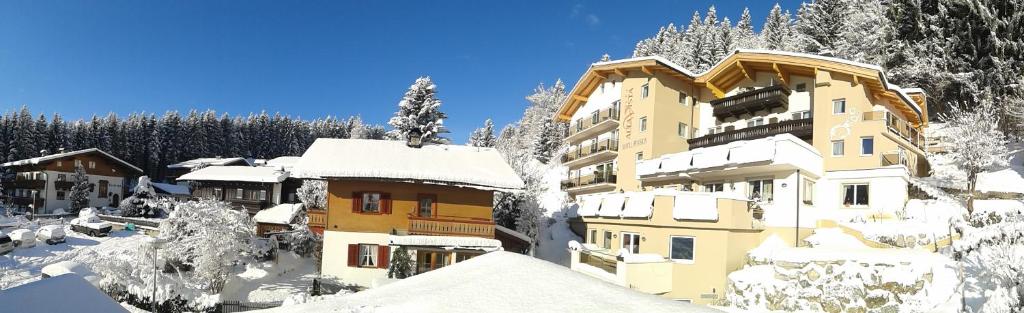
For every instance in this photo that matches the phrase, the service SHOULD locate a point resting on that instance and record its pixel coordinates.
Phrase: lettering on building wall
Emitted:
(635, 142)
(627, 115)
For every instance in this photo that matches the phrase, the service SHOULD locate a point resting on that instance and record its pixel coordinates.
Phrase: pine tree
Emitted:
(141, 202)
(777, 30)
(80, 189)
(696, 44)
(401, 265)
(420, 111)
(545, 144)
(821, 25)
(744, 35)
(484, 136)
(725, 39)
(666, 43)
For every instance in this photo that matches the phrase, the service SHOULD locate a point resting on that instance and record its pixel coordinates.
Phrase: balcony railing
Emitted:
(749, 102)
(24, 184)
(904, 130)
(582, 125)
(588, 180)
(317, 218)
(801, 128)
(582, 151)
(450, 226)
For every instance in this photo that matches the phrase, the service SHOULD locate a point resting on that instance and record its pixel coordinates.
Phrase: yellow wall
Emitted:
(452, 202)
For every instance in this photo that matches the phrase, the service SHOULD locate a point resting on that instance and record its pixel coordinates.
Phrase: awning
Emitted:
(590, 206)
(612, 205)
(640, 204)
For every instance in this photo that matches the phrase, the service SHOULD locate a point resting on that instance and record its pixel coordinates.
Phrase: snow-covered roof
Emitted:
(64, 293)
(480, 168)
(218, 161)
(256, 174)
(279, 214)
(498, 282)
(688, 205)
(172, 189)
(285, 162)
(779, 149)
(512, 232)
(51, 157)
(451, 242)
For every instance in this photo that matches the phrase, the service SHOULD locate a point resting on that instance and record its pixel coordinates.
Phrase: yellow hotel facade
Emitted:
(678, 174)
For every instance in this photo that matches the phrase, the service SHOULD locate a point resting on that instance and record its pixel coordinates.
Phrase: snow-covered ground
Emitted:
(23, 265)
(553, 240)
(1008, 178)
(272, 281)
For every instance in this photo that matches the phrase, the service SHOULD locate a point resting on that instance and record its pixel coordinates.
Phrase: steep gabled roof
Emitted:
(57, 156)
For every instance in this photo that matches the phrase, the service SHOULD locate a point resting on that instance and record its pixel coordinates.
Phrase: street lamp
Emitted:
(156, 243)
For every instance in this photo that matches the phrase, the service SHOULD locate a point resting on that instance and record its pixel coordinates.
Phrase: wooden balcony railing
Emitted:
(580, 125)
(593, 179)
(450, 226)
(749, 102)
(904, 130)
(317, 218)
(583, 151)
(24, 184)
(801, 128)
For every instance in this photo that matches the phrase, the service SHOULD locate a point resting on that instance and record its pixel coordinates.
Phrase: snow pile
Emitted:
(272, 281)
(384, 159)
(695, 206)
(64, 293)
(283, 213)
(172, 189)
(833, 238)
(448, 242)
(612, 204)
(1009, 178)
(641, 204)
(498, 282)
(257, 174)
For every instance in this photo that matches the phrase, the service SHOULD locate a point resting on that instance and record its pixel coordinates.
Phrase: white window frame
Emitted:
(60, 163)
(798, 88)
(808, 185)
(862, 139)
(645, 90)
(367, 197)
(834, 108)
(853, 204)
(239, 193)
(643, 124)
(682, 98)
(263, 195)
(842, 150)
(593, 236)
(640, 156)
(368, 255)
(683, 130)
(78, 162)
(607, 244)
(761, 183)
(757, 121)
(693, 249)
(622, 241)
(712, 186)
(92, 164)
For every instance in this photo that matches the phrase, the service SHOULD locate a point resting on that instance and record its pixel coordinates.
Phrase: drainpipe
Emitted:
(796, 237)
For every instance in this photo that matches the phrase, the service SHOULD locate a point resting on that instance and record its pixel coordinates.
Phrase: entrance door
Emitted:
(428, 260)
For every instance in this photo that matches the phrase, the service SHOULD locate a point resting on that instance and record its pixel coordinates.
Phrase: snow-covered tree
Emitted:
(666, 43)
(402, 264)
(142, 202)
(777, 32)
(313, 194)
(820, 25)
(80, 189)
(208, 237)
(975, 143)
(484, 136)
(547, 142)
(420, 110)
(744, 36)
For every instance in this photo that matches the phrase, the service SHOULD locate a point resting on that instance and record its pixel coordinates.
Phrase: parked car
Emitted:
(23, 238)
(51, 234)
(89, 223)
(6, 244)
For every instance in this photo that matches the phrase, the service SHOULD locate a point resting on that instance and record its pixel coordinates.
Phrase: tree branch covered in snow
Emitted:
(420, 110)
(975, 143)
(208, 236)
(80, 189)
(313, 194)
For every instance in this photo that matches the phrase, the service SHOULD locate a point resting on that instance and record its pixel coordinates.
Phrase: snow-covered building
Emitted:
(436, 200)
(181, 168)
(172, 191)
(764, 142)
(278, 218)
(253, 188)
(44, 183)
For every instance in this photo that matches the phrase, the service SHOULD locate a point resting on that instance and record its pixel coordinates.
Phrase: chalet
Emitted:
(278, 218)
(436, 200)
(172, 191)
(181, 168)
(43, 184)
(253, 188)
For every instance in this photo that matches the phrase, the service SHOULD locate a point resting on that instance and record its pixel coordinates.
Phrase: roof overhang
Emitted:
(599, 72)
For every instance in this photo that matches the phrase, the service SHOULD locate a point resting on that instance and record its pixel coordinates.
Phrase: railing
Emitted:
(450, 227)
(752, 101)
(892, 159)
(597, 178)
(609, 266)
(24, 184)
(802, 128)
(904, 130)
(317, 218)
(587, 122)
(582, 151)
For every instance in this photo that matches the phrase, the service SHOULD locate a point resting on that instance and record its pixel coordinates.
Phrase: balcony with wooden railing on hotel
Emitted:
(597, 151)
(599, 181)
(898, 129)
(750, 102)
(596, 123)
(451, 226)
(802, 128)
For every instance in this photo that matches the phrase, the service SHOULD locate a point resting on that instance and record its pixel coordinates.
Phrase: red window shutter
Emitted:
(357, 202)
(353, 255)
(385, 203)
(383, 256)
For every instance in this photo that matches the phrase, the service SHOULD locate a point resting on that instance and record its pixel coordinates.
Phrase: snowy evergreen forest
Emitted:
(956, 50)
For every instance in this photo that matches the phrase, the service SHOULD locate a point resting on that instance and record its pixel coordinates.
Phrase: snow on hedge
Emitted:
(481, 168)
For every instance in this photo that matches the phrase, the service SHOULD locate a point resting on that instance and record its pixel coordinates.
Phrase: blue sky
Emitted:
(313, 58)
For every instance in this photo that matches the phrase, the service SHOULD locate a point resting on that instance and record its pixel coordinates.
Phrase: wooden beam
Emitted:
(647, 70)
(580, 98)
(782, 75)
(743, 68)
(715, 91)
(620, 72)
(856, 80)
(599, 74)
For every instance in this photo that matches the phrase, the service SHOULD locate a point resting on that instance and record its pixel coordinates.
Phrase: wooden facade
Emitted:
(38, 182)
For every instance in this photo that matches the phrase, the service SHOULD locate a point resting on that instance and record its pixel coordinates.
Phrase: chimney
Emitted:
(60, 150)
(415, 139)
(43, 152)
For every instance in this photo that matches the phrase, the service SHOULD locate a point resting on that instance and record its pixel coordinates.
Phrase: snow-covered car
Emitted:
(6, 244)
(90, 224)
(23, 238)
(69, 267)
(51, 234)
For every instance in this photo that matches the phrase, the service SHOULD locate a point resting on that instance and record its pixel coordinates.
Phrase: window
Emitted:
(682, 98)
(593, 236)
(801, 115)
(607, 239)
(760, 189)
(78, 163)
(631, 242)
(837, 148)
(681, 248)
(839, 106)
(60, 194)
(718, 187)
(755, 122)
(855, 194)
(239, 192)
(371, 202)
(639, 156)
(801, 87)
(579, 125)
(643, 124)
(614, 112)
(263, 195)
(218, 193)
(595, 117)
(59, 163)
(644, 90)
(867, 145)
(808, 195)
(102, 187)
(683, 130)
(368, 255)
(92, 164)
(427, 204)
(62, 177)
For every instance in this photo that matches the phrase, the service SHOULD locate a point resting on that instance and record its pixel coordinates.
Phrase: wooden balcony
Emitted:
(801, 128)
(764, 99)
(317, 220)
(590, 126)
(24, 184)
(586, 154)
(450, 226)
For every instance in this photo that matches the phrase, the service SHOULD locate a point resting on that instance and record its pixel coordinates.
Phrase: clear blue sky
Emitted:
(312, 58)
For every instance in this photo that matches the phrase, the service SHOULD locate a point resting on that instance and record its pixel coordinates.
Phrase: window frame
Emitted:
(682, 98)
(800, 87)
(595, 117)
(645, 90)
(622, 241)
(433, 204)
(365, 203)
(92, 164)
(640, 156)
(370, 255)
(807, 197)
(642, 123)
(720, 185)
(60, 195)
(239, 193)
(102, 188)
(761, 183)
(683, 130)
(607, 244)
(853, 203)
(693, 249)
(837, 101)
(872, 147)
(263, 195)
(842, 146)
(593, 236)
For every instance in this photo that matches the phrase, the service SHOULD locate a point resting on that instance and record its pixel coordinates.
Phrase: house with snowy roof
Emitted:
(181, 168)
(43, 184)
(252, 188)
(434, 199)
(676, 173)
